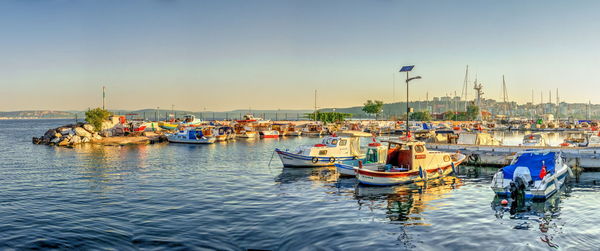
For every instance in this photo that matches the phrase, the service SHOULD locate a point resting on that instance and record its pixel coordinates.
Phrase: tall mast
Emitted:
(315, 112)
(463, 93)
(557, 106)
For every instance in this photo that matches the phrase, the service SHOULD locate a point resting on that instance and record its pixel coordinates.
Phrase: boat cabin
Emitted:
(410, 155)
(334, 146)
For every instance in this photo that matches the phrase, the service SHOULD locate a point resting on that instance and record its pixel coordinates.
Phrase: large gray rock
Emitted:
(75, 140)
(64, 142)
(96, 136)
(89, 128)
(65, 131)
(80, 131)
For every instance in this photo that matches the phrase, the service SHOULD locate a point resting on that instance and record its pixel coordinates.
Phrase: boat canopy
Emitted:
(533, 161)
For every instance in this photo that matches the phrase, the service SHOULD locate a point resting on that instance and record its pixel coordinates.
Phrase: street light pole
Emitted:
(407, 69)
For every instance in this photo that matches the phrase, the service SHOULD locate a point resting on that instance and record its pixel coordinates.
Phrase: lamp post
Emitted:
(407, 69)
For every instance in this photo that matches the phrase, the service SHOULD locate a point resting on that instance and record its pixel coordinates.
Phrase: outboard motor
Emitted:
(517, 194)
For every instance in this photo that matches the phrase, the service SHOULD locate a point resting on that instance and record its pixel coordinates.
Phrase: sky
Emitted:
(224, 55)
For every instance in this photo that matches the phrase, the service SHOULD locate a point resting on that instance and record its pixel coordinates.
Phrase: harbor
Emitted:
(135, 195)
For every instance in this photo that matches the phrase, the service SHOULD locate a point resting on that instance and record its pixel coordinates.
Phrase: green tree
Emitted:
(373, 107)
(96, 116)
(328, 117)
(449, 115)
(472, 112)
(420, 116)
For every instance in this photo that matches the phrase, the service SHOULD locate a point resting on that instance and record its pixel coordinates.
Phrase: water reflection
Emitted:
(529, 214)
(407, 202)
(295, 174)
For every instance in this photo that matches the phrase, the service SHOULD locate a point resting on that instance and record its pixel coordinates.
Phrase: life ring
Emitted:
(331, 159)
(315, 160)
(446, 158)
(474, 158)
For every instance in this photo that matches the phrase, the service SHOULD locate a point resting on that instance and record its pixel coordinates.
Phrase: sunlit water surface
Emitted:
(226, 196)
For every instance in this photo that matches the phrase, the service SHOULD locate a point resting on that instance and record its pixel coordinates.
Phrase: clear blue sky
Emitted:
(223, 55)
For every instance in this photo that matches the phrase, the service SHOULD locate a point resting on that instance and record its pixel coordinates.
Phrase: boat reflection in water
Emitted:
(322, 174)
(528, 214)
(404, 203)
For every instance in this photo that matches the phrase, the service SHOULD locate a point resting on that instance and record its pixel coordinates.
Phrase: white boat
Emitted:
(376, 153)
(477, 138)
(575, 139)
(536, 174)
(408, 162)
(333, 149)
(594, 141)
(535, 139)
(190, 120)
(313, 129)
(193, 136)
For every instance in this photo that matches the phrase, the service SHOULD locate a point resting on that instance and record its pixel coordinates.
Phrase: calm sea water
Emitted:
(227, 197)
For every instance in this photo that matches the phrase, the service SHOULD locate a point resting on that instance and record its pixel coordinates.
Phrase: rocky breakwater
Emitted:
(69, 135)
(74, 134)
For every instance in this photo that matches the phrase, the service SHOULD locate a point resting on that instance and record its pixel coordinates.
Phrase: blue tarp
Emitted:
(192, 134)
(534, 162)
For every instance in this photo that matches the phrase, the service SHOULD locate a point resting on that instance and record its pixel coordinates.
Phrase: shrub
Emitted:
(96, 116)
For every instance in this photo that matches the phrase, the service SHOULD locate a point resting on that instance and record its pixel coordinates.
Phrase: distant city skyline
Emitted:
(227, 55)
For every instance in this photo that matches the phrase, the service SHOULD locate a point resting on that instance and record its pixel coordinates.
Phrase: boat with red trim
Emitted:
(408, 162)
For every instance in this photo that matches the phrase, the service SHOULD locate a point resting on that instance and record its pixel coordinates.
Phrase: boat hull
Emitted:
(209, 140)
(295, 160)
(269, 134)
(374, 178)
(248, 135)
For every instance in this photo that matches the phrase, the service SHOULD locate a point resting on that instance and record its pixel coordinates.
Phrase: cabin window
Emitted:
(343, 142)
(419, 149)
(334, 142)
(323, 152)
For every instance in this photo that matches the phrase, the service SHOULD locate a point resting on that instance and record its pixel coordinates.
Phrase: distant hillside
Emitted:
(37, 114)
(160, 114)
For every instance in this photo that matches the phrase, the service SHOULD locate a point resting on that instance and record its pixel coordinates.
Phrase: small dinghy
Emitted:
(193, 136)
(536, 174)
(408, 162)
(333, 149)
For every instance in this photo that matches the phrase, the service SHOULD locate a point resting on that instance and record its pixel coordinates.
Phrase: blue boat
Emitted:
(535, 174)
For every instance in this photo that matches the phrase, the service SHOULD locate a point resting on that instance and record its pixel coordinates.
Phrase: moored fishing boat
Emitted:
(293, 130)
(533, 174)
(332, 149)
(535, 139)
(313, 129)
(376, 153)
(408, 162)
(265, 130)
(193, 136)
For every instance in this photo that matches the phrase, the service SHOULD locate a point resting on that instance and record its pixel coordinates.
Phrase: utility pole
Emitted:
(315, 112)
(103, 97)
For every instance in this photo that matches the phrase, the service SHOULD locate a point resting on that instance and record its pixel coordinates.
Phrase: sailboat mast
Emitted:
(465, 87)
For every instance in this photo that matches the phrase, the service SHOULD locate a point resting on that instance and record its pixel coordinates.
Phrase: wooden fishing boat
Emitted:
(408, 162)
